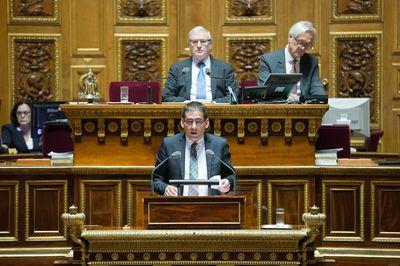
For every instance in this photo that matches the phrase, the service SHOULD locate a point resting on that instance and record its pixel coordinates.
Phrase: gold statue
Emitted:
(88, 87)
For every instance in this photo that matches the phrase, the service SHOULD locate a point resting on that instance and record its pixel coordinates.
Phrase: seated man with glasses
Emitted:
(18, 134)
(294, 59)
(194, 163)
(200, 77)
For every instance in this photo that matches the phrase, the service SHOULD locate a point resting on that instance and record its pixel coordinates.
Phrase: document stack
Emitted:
(61, 158)
(326, 157)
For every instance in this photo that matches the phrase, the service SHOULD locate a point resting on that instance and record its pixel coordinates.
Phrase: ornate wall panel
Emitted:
(78, 71)
(396, 23)
(396, 84)
(356, 10)
(249, 11)
(252, 190)
(396, 129)
(139, 11)
(137, 190)
(191, 14)
(45, 201)
(243, 53)
(87, 32)
(356, 63)
(385, 215)
(33, 11)
(34, 67)
(141, 57)
(9, 209)
(101, 202)
(343, 203)
(293, 196)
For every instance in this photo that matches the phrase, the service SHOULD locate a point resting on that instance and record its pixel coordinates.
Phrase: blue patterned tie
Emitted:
(201, 83)
(193, 171)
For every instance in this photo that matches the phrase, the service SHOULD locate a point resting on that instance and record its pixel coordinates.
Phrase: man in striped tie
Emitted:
(201, 77)
(194, 162)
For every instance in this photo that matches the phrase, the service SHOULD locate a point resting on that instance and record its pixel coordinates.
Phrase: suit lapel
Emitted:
(281, 63)
(21, 140)
(216, 73)
(207, 145)
(182, 149)
(188, 78)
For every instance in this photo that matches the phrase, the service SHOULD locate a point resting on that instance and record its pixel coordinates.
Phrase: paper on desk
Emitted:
(61, 155)
(216, 177)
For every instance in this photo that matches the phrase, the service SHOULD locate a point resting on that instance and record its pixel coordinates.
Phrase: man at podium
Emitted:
(194, 155)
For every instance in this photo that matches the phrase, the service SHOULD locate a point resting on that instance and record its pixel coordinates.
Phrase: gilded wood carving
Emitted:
(34, 69)
(249, 10)
(33, 10)
(356, 10)
(141, 11)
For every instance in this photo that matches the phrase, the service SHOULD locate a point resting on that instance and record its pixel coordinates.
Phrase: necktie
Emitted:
(294, 70)
(201, 83)
(193, 171)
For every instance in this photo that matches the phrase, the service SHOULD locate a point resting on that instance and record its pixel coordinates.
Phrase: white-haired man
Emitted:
(201, 77)
(294, 59)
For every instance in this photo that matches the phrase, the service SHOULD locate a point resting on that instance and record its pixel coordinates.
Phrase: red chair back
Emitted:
(56, 137)
(139, 91)
(244, 84)
(334, 137)
(371, 144)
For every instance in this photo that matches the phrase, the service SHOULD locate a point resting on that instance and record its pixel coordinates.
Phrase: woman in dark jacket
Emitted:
(18, 134)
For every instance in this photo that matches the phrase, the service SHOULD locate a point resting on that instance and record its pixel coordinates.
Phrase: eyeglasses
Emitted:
(198, 121)
(306, 45)
(202, 42)
(25, 113)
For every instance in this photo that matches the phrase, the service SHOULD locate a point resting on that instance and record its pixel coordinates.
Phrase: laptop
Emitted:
(276, 89)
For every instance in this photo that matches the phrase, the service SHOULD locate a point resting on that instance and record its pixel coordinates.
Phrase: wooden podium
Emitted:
(223, 212)
(131, 134)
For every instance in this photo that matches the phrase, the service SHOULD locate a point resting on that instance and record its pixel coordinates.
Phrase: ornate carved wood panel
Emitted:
(9, 210)
(343, 203)
(356, 10)
(34, 68)
(78, 71)
(243, 53)
(249, 10)
(141, 58)
(137, 190)
(28, 11)
(357, 69)
(385, 215)
(252, 190)
(87, 32)
(45, 201)
(141, 11)
(101, 202)
(396, 129)
(293, 196)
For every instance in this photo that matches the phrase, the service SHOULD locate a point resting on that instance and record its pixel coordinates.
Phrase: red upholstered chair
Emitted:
(139, 91)
(244, 84)
(334, 137)
(371, 143)
(56, 137)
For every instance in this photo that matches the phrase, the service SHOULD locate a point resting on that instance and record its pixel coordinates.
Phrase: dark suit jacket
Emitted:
(175, 168)
(274, 62)
(13, 138)
(178, 85)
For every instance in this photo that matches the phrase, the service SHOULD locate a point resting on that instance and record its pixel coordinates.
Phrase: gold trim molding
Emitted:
(248, 19)
(54, 19)
(356, 17)
(16, 210)
(141, 20)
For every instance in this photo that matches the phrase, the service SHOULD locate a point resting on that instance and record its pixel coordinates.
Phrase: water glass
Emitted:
(280, 216)
(124, 94)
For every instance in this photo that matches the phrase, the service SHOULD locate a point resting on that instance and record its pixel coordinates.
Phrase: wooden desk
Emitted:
(258, 134)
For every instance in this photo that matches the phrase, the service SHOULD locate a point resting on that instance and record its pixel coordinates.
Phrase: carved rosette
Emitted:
(141, 59)
(356, 10)
(249, 10)
(357, 69)
(32, 11)
(244, 55)
(141, 11)
(34, 68)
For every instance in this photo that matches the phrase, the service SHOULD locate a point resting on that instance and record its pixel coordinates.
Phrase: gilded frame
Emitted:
(335, 36)
(55, 19)
(121, 19)
(335, 17)
(248, 19)
(34, 37)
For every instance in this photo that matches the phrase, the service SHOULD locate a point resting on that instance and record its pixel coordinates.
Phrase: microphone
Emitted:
(207, 70)
(174, 155)
(184, 71)
(211, 154)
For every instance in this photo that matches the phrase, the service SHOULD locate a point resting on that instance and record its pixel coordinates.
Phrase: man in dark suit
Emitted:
(194, 163)
(201, 77)
(294, 59)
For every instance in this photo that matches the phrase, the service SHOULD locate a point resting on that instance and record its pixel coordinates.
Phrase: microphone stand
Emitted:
(211, 153)
(149, 93)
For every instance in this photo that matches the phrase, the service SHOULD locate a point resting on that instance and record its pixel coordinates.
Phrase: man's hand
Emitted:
(224, 186)
(171, 191)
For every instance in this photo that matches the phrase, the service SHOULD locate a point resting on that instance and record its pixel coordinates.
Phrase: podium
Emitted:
(217, 212)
